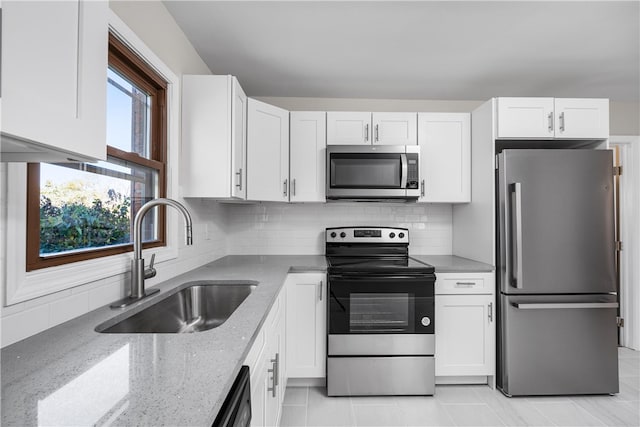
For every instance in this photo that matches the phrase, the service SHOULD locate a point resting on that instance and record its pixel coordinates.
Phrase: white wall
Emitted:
(158, 31)
(277, 228)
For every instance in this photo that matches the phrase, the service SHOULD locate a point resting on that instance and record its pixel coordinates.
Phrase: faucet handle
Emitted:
(149, 271)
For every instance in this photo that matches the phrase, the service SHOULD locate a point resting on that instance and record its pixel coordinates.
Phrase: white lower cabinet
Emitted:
(267, 366)
(465, 327)
(306, 325)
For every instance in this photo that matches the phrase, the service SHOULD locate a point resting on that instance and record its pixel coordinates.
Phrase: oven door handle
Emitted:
(369, 277)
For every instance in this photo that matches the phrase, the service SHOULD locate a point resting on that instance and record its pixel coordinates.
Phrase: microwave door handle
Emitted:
(403, 176)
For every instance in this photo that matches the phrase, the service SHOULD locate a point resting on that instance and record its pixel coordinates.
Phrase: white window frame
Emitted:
(21, 285)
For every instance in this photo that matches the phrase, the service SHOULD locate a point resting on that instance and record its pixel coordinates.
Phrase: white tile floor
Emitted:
(470, 406)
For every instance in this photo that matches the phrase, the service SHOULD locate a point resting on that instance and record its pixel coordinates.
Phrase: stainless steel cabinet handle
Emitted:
(274, 372)
(284, 188)
(273, 379)
(320, 291)
(562, 122)
(550, 117)
(294, 186)
(490, 312)
(516, 262)
(465, 284)
(377, 139)
(546, 306)
(422, 189)
(366, 132)
(277, 368)
(239, 184)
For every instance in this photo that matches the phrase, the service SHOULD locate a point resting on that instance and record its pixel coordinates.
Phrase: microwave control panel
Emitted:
(412, 171)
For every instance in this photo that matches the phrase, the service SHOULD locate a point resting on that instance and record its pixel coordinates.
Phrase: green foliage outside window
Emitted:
(68, 223)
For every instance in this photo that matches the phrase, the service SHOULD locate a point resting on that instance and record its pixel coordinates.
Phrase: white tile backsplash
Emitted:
(276, 228)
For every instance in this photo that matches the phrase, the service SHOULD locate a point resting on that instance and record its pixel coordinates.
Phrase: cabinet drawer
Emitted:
(464, 283)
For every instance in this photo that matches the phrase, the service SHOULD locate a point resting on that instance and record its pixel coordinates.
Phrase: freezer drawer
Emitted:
(376, 376)
(557, 345)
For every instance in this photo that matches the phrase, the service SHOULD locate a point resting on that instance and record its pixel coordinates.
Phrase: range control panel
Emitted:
(367, 235)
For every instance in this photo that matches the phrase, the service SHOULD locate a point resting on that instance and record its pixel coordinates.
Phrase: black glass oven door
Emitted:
(367, 304)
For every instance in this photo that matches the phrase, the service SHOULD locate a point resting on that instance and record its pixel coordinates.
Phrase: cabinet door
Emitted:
(395, 128)
(306, 325)
(348, 128)
(445, 157)
(260, 396)
(267, 152)
(275, 378)
(54, 80)
(239, 141)
(582, 118)
(525, 118)
(213, 137)
(465, 335)
(307, 149)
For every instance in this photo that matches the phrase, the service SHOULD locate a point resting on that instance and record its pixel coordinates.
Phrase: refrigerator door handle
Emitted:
(545, 306)
(516, 279)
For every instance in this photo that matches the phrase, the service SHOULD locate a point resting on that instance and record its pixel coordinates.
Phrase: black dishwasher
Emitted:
(236, 409)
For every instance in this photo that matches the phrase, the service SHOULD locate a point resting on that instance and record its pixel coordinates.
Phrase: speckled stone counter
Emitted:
(453, 264)
(72, 375)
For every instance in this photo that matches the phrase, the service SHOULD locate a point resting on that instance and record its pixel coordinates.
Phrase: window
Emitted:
(80, 211)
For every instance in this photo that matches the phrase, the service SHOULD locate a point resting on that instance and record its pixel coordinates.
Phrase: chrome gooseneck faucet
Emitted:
(138, 271)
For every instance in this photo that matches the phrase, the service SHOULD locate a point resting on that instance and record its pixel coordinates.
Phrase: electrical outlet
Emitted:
(207, 235)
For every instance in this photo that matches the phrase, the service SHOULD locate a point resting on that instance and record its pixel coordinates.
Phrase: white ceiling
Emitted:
(447, 50)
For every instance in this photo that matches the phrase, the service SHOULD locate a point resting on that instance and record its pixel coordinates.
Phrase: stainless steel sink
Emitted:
(199, 307)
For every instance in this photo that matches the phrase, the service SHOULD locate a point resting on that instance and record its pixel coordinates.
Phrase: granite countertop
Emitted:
(72, 375)
(453, 264)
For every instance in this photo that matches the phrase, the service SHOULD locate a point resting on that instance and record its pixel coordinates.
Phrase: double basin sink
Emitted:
(201, 306)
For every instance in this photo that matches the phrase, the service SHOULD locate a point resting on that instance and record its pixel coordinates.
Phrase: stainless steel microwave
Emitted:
(376, 172)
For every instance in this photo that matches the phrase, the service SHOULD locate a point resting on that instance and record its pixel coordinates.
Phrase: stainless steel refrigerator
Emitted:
(557, 331)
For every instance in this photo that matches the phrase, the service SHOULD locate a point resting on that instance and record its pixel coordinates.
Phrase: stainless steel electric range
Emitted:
(380, 314)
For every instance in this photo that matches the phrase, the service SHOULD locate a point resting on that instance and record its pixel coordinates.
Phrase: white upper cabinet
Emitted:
(552, 118)
(54, 80)
(577, 118)
(348, 128)
(395, 128)
(525, 118)
(267, 152)
(355, 128)
(445, 157)
(307, 146)
(214, 140)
